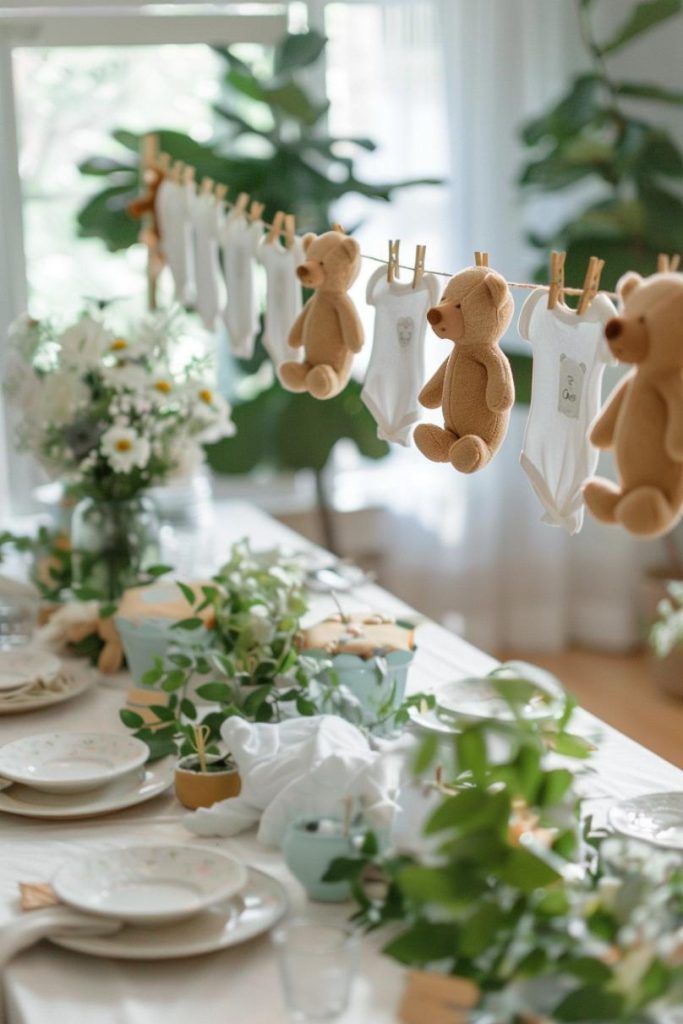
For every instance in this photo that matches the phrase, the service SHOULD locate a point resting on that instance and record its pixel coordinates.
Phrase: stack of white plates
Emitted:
(31, 679)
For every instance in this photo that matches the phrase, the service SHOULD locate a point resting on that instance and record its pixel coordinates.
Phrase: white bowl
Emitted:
(71, 762)
(149, 884)
(22, 667)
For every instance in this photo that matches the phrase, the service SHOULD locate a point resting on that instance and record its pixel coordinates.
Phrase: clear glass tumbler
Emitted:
(318, 964)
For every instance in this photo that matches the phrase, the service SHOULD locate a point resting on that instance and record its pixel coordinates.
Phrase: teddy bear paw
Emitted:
(602, 498)
(645, 511)
(323, 382)
(293, 376)
(433, 441)
(469, 454)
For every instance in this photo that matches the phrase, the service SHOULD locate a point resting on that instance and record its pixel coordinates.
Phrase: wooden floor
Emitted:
(619, 690)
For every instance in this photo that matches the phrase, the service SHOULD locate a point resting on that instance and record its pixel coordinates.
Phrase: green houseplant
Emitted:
(270, 141)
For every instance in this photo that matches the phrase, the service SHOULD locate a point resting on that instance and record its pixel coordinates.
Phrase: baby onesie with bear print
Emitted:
(396, 368)
(283, 297)
(569, 358)
(239, 239)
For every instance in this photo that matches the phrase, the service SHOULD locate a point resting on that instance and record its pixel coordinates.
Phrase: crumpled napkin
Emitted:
(297, 767)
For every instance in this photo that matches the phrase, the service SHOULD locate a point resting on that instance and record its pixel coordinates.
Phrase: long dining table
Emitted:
(48, 984)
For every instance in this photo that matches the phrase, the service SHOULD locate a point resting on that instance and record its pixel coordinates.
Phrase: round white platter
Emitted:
(71, 762)
(136, 788)
(476, 699)
(655, 818)
(72, 687)
(149, 884)
(256, 910)
(21, 667)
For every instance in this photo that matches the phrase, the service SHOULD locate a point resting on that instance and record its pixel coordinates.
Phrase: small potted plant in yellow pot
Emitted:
(202, 779)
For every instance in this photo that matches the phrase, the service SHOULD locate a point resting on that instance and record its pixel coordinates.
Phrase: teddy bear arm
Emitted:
(500, 387)
(295, 339)
(672, 393)
(350, 325)
(602, 431)
(432, 392)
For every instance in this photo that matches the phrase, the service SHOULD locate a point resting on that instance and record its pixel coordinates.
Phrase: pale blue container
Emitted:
(145, 640)
(377, 683)
(308, 855)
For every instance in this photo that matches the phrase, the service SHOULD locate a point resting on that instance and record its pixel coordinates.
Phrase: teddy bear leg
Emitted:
(293, 375)
(433, 441)
(469, 453)
(602, 497)
(645, 511)
(323, 382)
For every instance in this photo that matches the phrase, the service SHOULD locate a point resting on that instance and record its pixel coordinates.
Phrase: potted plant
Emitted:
(313, 843)
(201, 778)
(666, 641)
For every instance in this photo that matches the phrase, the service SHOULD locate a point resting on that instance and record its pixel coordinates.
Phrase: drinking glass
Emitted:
(317, 963)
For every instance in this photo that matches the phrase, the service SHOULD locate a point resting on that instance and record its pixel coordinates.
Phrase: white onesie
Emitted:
(283, 297)
(207, 217)
(396, 370)
(173, 215)
(569, 358)
(239, 239)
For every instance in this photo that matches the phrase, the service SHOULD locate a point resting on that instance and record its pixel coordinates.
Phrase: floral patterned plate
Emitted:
(71, 762)
(149, 885)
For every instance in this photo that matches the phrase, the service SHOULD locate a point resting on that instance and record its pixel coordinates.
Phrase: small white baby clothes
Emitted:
(283, 297)
(396, 370)
(172, 208)
(207, 217)
(239, 241)
(569, 358)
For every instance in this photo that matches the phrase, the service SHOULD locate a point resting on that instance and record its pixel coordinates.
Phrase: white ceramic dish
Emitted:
(259, 907)
(149, 885)
(136, 788)
(478, 699)
(430, 722)
(15, 703)
(22, 667)
(655, 818)
(71, 762)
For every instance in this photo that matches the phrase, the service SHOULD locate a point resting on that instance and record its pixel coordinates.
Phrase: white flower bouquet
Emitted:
(113, 413)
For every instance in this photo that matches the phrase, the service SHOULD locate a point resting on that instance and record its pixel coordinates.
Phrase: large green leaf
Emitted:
(645, 91)
(298, 51)
(644, 16)
(590, 1003)
(293, 100)
(105, 216)
(570, 115)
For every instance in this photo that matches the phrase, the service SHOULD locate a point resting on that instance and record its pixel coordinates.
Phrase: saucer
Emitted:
(22, 667)
(31, 698)
(655, 818)
(136, 788)
(256, 910)
(71, 762)
(151, 884)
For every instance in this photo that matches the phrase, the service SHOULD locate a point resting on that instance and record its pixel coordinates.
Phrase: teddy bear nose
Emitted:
(613, 328)
(434, 316)
(302, 272)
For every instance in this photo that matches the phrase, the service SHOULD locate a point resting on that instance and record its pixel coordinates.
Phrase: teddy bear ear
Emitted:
(350, 247)
(498, 289)
(306, 241)
(627, 283)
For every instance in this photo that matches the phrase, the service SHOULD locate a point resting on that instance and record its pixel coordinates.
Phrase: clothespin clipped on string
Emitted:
(206, 186)
(149, 151)
(220, 193)
(176, 173)
(419, 269)
(256, 211)
(393, 269)
(668, 264)
(275, 228)
(188, 175)
(163, 163)
(241, 204)
(290, 229)
(481, 259)
(591, 284)
(556, 290)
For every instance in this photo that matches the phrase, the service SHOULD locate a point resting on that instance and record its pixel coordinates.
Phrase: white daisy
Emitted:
(213, 413)
(127, 376)
(124, 449)
(83, 345)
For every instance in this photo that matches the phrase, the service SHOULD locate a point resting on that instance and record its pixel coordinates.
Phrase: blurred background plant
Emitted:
(272, 143)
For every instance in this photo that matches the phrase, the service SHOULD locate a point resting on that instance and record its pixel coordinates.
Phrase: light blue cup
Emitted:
(309, 854)
(145, 640)
(378, 684)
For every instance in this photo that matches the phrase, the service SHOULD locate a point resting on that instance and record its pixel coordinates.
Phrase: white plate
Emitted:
(71, 762)
(257, 909)
(127, 791)
(22, 667)
(151, 884)
(430, 722)
(655, 818)
(73, 686)
(474, 698)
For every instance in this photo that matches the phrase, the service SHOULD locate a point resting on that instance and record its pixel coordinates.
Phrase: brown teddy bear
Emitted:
(328, 326)
(474, 385)
(643, 418)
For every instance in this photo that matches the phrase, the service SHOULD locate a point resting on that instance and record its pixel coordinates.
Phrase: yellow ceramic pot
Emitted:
(202, 789)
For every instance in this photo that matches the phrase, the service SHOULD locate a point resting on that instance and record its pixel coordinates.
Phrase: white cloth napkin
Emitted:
(297, 767)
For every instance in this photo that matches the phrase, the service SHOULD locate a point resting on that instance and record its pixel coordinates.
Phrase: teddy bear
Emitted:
(474, 384)
(643, 418)
(328, 326)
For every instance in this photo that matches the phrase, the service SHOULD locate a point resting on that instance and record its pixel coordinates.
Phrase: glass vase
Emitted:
(112, 543)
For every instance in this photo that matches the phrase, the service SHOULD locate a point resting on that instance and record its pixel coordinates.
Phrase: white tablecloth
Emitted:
(47, 984)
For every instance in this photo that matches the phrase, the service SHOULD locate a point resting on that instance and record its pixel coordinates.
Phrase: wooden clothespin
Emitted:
(163, 162)
(177, 171)
(275, 228)
(418, 272)
(339, 228)
(674, 262)
(668, 264)
(206, 186)
(188, 175)
(591, 283)
(241, 204)
(290, 229)
(556, 290)
(220, 193)
(393, 269)
(149, 151)
(256, 211)
(481, 259)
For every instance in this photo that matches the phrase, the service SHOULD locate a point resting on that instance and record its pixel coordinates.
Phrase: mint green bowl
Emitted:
(378, 684)
(145, 640)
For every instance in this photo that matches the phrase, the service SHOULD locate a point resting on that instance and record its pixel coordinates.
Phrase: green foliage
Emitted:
(598, 133)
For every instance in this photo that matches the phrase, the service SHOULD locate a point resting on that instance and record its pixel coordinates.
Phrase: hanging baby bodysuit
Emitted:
(396, 370)
(569, 358)
(207, 217)
(239, 240)
(172, 209)
(283, 297)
